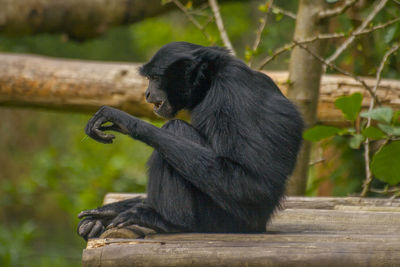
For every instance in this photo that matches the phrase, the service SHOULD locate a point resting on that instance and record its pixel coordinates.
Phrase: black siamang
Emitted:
(226, 170)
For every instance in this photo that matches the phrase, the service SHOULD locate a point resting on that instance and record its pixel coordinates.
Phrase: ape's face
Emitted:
(155, 95)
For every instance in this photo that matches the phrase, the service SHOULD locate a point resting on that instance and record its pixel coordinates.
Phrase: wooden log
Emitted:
(244, 250)
(77, 19)
(84, 86)
(312, 232)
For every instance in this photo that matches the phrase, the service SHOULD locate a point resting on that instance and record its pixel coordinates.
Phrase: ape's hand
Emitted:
(95, 128)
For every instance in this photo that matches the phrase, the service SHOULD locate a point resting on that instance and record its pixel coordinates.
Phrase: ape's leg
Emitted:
(170, 203)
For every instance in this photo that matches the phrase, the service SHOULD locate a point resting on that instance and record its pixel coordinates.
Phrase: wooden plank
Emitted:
(313, 232)
(327, 203)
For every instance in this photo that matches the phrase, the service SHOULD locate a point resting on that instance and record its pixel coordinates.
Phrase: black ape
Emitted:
(224, 172)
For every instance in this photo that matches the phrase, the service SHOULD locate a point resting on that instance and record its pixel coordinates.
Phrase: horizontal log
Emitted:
(76, 85)
(270, 250)
(78, 19)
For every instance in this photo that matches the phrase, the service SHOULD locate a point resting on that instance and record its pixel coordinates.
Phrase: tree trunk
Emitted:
(79, 19)
(304, 82)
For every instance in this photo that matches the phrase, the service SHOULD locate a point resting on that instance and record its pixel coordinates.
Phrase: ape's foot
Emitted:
(95, 221)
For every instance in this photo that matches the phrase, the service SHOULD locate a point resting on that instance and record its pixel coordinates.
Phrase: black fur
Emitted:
(224, 172)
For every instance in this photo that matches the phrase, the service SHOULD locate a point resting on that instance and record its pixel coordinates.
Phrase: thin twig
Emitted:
(385, 191)
(220, 24)
(361, 28)
(277, 52)
(337, 10)
(342, 71)
(368, 174)
(259, 31)
(329, 36)
(192, 19)
(284, 12)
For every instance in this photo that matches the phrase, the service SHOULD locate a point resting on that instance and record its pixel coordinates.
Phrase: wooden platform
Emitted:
(308, 232)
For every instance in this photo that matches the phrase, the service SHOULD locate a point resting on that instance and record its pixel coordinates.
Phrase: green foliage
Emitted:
(390, 129)
(320, 132)
(374, 133)
(385, 163)
(350, 105)
(14, 244)
(356, 140)
(381, 114)
(392, 33)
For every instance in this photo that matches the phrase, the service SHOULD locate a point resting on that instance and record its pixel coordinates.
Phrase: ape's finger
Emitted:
(85, 227)
(96, 230)
(103, 135)
(97, 213)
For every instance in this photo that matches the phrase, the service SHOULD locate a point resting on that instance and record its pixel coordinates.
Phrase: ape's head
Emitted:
(180, 75)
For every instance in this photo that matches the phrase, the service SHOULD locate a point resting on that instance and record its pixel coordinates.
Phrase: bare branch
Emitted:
(329, 36)
(192, 19)
(336, 11)
(277, 52)
(342, 71)
(263, 22)
(368, 174)
(361, 28)
(284, 12)
(220, 24)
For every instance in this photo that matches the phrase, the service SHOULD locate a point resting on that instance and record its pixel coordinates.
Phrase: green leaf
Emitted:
(390, 130)
(264, 7)
(331, 1)
(390, 34)
(385, 163)
(382, 114)
(320, 132)
(189, 5)
(355, 141)
(350, 105)
(373, 133)
(278, 16)
(396, 117)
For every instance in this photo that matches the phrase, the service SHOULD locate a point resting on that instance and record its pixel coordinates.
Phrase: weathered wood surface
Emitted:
(77, 85)
(308, 232)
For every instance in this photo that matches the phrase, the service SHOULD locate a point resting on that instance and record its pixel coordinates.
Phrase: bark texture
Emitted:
(84, 86)
(304, 76)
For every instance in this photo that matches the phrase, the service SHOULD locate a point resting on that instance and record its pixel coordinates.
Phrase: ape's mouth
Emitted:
(157, 105)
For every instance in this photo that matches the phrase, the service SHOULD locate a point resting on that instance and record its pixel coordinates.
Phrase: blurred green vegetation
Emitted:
(50, 171)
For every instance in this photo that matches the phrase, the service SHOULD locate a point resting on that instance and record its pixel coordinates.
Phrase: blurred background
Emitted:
(49, 171)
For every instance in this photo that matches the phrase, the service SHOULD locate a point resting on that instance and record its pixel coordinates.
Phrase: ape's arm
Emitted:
(198, 164)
